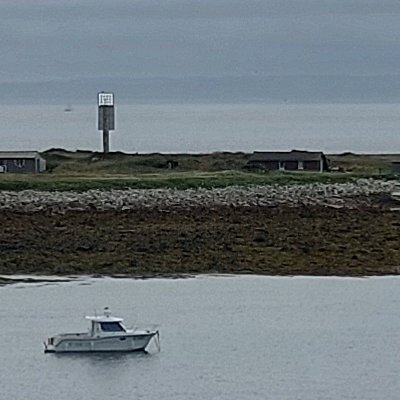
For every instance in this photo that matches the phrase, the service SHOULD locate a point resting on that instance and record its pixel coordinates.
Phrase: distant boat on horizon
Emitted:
(68, 108)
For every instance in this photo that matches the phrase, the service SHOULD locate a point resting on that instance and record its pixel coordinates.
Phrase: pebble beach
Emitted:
(335, 195)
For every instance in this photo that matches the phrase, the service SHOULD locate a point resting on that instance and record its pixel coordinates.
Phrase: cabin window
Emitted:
(111, 327)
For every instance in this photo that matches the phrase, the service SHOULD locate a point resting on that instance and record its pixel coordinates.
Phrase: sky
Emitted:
(332, 43)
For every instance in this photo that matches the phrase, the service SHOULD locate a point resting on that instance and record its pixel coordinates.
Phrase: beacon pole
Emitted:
(106, 135)
(106, 117)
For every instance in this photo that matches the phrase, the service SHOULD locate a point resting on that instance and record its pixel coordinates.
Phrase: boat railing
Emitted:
(73, 335)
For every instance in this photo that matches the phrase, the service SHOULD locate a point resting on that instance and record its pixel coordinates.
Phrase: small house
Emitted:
(294, 160)
(21, 162)
(396, 167)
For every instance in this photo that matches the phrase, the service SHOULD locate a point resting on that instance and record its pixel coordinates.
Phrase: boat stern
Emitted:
(154, 336)
(49, 345)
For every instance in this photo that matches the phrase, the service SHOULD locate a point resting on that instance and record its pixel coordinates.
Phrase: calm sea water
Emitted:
(221, 338)
(371, 128)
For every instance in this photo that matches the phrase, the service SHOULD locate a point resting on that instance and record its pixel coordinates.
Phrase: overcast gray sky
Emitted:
(45, 40)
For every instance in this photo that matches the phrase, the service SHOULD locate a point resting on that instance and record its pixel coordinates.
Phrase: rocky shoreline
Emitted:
(350, 229)
(337, 195)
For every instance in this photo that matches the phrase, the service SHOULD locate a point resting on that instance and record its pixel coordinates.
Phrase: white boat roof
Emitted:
(106, 317)
(103, 318)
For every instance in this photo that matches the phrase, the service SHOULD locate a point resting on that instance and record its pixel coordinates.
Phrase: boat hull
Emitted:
(125, 343)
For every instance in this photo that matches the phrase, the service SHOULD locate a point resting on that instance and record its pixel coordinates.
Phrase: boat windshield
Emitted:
(111, 327)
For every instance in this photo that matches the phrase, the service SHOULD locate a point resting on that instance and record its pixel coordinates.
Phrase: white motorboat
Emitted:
(106, 334)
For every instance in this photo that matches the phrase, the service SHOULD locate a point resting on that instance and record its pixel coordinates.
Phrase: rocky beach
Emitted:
(347, 229)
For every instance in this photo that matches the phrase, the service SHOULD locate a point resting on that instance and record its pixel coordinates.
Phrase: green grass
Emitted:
(179, 180)
(85, 170)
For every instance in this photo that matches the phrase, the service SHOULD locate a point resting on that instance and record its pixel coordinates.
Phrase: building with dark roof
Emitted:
(396, 167)
(294, 160)
(21, 162)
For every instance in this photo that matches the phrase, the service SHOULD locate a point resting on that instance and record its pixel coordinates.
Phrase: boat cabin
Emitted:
(106, 324)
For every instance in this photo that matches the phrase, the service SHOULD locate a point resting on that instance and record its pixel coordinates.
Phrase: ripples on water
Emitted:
(221, 338)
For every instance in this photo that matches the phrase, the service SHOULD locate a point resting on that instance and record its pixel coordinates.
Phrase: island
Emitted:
(163, 215)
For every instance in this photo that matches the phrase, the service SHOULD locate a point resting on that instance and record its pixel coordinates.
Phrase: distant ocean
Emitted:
(197, 128)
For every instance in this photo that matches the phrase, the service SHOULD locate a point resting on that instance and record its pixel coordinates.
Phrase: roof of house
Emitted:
(19, 154)
(294, 155)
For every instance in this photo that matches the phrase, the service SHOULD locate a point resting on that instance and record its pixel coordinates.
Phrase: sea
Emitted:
(205, 127)
(222, 337)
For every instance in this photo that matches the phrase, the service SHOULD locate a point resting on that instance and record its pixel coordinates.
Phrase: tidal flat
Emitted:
(305, 240)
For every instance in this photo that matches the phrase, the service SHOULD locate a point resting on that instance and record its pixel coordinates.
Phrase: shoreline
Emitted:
(85, 279)
(339, 229)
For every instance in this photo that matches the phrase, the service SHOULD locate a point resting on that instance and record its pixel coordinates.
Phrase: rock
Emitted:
(260, 236)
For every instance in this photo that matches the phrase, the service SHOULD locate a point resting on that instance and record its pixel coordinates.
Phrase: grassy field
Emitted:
(84, 170)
